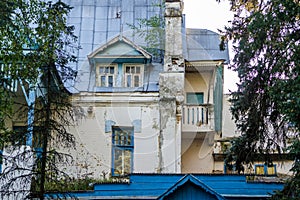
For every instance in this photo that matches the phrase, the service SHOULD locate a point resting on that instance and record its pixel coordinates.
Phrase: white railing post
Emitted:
(197, 117)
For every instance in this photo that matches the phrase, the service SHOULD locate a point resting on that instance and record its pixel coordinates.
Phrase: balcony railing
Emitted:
(197, 118)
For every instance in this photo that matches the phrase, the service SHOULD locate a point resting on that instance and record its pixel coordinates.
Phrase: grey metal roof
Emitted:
(98, 21)
(203, 44)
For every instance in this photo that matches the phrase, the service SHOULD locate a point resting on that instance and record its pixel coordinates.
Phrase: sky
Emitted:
(211, 15)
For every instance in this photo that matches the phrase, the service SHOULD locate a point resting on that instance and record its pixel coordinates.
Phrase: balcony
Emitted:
(197, 118)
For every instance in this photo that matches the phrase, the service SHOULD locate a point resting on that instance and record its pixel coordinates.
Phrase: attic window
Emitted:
(133, 75)
(106, 75)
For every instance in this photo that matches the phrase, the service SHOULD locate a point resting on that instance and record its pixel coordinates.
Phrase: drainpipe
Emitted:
(30, 100)
(30, 118)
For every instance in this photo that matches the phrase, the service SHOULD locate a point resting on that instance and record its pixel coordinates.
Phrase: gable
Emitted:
(190, 191)
(119, 49)
(189, 187)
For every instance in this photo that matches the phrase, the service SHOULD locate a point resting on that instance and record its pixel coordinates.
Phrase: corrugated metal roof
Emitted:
(154, 185)
(98, 21)
(203, 44)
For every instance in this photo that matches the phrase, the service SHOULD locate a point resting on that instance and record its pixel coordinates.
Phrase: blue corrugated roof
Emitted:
(155, 185)
(190, 178)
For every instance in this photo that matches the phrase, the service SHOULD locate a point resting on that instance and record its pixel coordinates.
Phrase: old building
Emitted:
(144, 114)
(148, 114)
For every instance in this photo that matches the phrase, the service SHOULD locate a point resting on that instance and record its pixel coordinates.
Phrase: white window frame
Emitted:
(133, 75)
(106, 74)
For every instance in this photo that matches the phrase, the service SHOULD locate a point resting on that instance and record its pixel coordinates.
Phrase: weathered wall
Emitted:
(194, 82)
(171, 97)
(173, 58)
(93, 133)
(197, 155)
(171, 91)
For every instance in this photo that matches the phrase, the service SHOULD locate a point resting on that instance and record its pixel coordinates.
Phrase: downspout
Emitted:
(160, 141)
(218, 99)
(30, 118)
(30, 100)
(212, 77)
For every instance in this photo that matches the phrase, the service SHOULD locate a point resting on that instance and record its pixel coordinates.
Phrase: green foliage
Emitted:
(266, 105)
(292, 186)
(153, 32)
(36, 47)
(68, 185)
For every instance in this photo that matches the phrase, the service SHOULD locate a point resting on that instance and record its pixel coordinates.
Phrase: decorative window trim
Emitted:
(136, 73)
(124, 143)
(104, 75)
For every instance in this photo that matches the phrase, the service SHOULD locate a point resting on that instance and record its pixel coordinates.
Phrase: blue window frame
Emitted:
(264, 169)
(122, 150)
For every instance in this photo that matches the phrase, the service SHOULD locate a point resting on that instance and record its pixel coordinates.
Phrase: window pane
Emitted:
(110, 81)
(138, 70)
(106, 69)
(136, 81)
(122, 139)
(127, 70)
(271, 170)
(127, 162)
(194, 98)
(260, 170)
(103, 81)
(122, 161)
(128, 84)
(116, 138)
(112, 70)
(129, 139)
(101, 70)
(132, 70)
(117, 161)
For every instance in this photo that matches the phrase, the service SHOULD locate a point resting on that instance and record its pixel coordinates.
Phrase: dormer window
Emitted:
(106, 75)
(119, 65)
(133, 75)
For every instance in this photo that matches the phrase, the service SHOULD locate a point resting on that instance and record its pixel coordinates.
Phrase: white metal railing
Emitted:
(196, 116)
